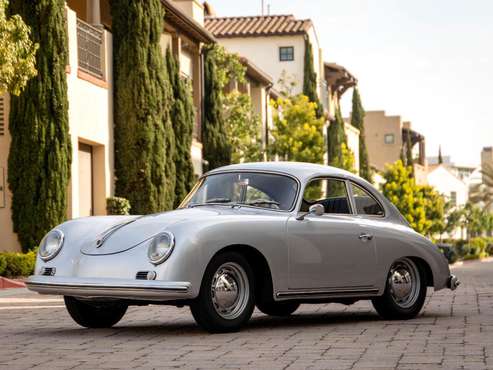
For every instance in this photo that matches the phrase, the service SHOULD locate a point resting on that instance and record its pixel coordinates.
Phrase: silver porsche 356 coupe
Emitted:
(272, 235)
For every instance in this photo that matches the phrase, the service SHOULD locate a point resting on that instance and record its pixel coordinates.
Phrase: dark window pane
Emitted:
(365, 203)
(330, 193)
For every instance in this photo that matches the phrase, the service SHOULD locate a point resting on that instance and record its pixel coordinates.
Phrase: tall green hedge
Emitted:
(337, 149)
(357, 120)
(310, 79)
(40, 151)
(144, 137)
(217, 148)
(183, 117)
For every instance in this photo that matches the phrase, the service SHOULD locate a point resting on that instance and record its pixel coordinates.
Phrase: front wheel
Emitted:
(95, 314)
(405, 292)
(226, 299)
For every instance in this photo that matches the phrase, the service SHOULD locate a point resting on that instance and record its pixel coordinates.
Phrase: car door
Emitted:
(334, 251)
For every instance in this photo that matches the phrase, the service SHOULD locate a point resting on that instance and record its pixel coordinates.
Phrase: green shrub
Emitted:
(117, 206)
(18, 264)
(462, 249)
(449, 252)
(3, 264)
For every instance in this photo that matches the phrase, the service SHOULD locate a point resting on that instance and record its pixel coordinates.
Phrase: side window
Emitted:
(365, 203)
(330, 193)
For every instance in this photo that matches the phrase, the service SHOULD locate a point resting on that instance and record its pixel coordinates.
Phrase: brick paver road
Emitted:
(454, 331)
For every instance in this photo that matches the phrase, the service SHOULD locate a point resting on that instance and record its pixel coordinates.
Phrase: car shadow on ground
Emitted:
(259, 323)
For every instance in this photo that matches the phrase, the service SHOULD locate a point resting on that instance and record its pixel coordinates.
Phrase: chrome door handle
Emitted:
(365, 237)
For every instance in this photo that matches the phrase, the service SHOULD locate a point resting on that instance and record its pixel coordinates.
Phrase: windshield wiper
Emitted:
(218, 200)
(210, 202)
(257, 202)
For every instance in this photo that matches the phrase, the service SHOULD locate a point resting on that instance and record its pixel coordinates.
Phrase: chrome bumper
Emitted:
(110, 288)
(453, 282)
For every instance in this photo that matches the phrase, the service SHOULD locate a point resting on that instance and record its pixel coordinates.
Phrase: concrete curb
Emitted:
(9, 283)
(467, 262)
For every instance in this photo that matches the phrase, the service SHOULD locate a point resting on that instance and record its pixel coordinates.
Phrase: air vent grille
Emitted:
(145, 275)
(48, 271)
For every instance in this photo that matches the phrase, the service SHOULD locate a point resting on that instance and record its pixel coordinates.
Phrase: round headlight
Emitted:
(161, 247)
(51, 245)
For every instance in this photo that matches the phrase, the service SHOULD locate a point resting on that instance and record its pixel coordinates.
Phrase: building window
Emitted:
(286, 53)
(453, 198)
(389, 139)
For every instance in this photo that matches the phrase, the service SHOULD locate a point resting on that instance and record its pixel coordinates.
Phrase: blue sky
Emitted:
(429, 61)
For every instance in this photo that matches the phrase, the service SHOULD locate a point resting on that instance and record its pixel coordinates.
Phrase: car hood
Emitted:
(129, 234)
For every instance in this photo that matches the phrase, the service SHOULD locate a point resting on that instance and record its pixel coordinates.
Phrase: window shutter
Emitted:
(2, 116)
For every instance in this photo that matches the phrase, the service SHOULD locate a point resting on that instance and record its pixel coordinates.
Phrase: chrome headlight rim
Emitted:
(61, 240)
(165, 256)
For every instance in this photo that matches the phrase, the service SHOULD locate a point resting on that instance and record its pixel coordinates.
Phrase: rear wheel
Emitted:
(405, 291)
(95, 314)
(277, 308)
(226, 299)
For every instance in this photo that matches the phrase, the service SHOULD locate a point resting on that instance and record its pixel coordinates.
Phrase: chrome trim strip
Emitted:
(332, 293)
(114, 288)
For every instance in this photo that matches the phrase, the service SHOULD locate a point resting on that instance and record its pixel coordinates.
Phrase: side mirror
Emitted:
(315, 209)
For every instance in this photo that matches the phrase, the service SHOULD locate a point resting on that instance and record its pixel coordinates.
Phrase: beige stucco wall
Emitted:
(264, 53)
(377, 125)
(91, 122)
(445, 182)
(192, 8)
(9, 240)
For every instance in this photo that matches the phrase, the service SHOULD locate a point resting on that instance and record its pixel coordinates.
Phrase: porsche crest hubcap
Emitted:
(230, 290)
(404, 282)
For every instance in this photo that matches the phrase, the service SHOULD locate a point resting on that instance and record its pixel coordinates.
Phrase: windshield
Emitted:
(248, 188)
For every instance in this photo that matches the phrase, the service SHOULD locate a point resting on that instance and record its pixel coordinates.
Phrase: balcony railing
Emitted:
(90, 49)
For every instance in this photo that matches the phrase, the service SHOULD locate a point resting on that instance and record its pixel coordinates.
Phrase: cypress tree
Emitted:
(357, 120)
(310, 79)
(440, 158)
(336, 137)
(144, 137)
(409, 153)
(183, 114)
(40, 151)
(217, 148)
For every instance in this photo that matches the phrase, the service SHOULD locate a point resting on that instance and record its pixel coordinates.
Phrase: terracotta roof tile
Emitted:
(250, 26)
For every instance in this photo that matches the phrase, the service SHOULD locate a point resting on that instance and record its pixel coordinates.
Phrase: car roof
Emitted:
(300, 170)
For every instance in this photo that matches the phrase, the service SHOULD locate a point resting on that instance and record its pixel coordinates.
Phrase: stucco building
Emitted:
(386, 137)
(276, 43)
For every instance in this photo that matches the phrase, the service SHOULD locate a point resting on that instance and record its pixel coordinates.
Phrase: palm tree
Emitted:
(483, 193)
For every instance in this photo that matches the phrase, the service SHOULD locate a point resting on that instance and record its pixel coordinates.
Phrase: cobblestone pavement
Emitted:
(454, 331)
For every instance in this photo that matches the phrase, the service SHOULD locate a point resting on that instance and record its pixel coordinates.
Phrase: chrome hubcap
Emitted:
(404, 283)
(230, 290)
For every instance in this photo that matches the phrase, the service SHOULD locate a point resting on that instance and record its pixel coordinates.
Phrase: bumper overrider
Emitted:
(453, 282)
(110, 288)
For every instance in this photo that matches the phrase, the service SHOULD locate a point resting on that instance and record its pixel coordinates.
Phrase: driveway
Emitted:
(454, 331)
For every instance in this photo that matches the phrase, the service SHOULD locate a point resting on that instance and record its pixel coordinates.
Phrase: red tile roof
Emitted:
(252, 26)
